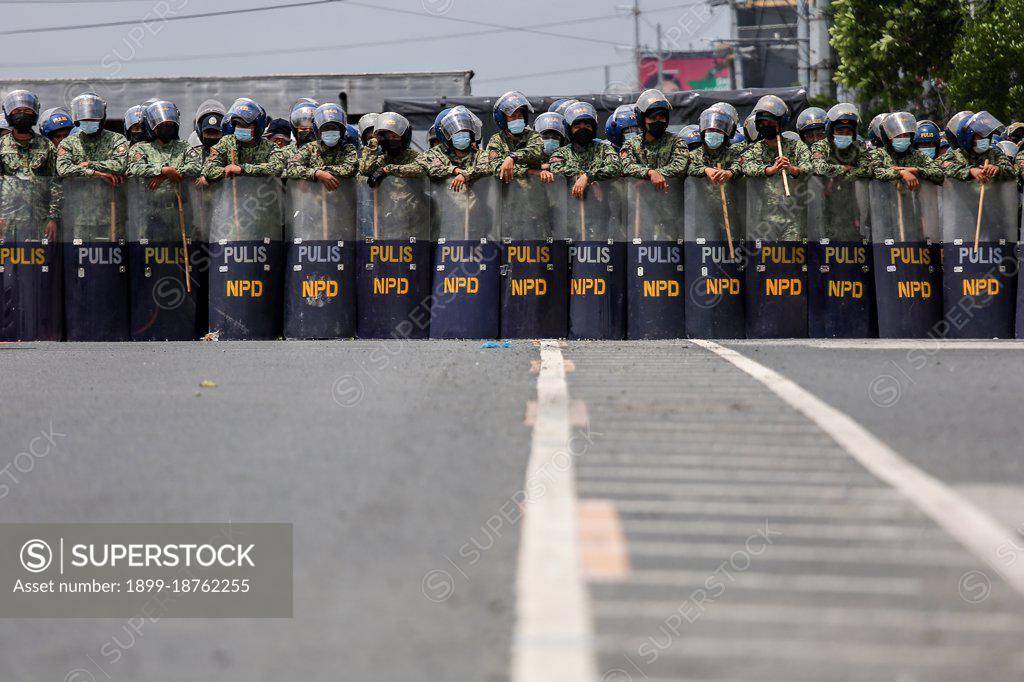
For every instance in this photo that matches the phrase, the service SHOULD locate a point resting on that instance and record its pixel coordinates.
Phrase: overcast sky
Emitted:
(346, 36)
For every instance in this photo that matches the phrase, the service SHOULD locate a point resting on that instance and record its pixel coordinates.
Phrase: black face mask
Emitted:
(583, 136)
(767, 132)
(657, 128)
(392, 147)
(167, 133)
(304, 136)
(22, 123)
(136, 137)
(209, 141)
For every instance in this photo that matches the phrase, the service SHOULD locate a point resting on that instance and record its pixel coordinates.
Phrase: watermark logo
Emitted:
(36, 556)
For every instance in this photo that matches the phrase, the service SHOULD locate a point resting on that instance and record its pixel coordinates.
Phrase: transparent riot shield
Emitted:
(907, 271)
(840, 286)
(776, 271)
(246, 258)
(534, 258)
(320, 272)
(161, 229)
(597, 261)
(30, 272)
(467, 271)
(393, 259)
(95, 261)
(200, 201)
(655, 302)
(979, 274)
(714, 225)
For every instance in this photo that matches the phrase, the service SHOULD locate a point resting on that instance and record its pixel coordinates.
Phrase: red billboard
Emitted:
(685, 71)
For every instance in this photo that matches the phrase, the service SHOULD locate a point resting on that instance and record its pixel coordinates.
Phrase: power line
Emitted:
(547, 73)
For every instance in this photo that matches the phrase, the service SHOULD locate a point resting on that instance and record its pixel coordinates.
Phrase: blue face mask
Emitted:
(714, 140)
(243, 134)
(629, 136)
(89, 127)
(843, 141)
(551, 146)
(517, 126)
(928, 151)
(462, 140)
(982, 146)
(901, 144)
(331, 137)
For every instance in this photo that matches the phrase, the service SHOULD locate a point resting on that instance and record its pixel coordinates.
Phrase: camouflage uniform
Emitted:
(407, 165)
(440, 163)
(882, 161)
(341, 161)
(827, 160)
(105, 151)
(667, 155)
(598, 160)
(963, 161)
(703, 158)
(528, 150)
(261, 159)
(782, 218)
(148, 159)
(26, 206)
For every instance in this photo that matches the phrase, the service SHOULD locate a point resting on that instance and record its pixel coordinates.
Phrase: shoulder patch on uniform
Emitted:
(62, 151)
(492, 154)
(121, 148)
(138, 156)
(213, 153)
(296, 158)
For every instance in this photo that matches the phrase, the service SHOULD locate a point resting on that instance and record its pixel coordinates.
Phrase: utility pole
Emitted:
(734, 40)
(819, 49)
(661, 64)
(803, 62)
(636, 42)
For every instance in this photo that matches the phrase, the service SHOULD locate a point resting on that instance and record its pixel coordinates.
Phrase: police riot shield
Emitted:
(30, 281)
(714, 225)
(320, 273)
(840, 286)
(776, 272)
(904, 225)
(393, 259)
(1019, 324)
(200, 201)
(534, 258)
(597, 261)
(95, 261)
(655, 305)
(161, 230)
(246, 258)
(979, 273)
(467, 271)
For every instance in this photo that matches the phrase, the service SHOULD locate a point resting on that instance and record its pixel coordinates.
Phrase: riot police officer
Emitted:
(621, 126)
(691, 137)
(976, 157)
(93, 152)
(926, 139)
(810, 124)
(365, 126)
(25, 155)
(56, 124)
(657, 154)
(838, 154)
(716, 158)
(515, 148)
(457, 154)
(330, 156)
(762, 158)
(301, 120)
(555, 134)
(898, 160)
(584, 158)
(167, 157)
(389, 152)
(245, 151)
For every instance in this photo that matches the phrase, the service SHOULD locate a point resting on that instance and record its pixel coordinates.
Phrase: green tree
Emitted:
(895, 53)
(988, 62)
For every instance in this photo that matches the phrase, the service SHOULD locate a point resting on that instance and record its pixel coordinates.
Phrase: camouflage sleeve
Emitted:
(678, 161)
(219, 157)
(141, 165)
(632, 166)
(411, 168)
(438, 165)
(531, 154)
(697, 166)
(479, 168)
(67, 159)
(191, 163)
(347, 166)
(117, 163)
(608, 166)
(56, 191)
(821, 163)
(958, 168)
(298, 166)
(1006, 170)
(1018, 162)
(803, 158)
(881, 166)
(273, 167)
(751, 163)
(563, 163)
(370, 159)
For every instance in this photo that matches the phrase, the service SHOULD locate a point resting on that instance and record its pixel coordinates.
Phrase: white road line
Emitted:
(973, 528)
(811, 462)
(820, 511)
(786, 582)
(816, 554)
(764, 476)
(554, 627)
(725, 491)
(863, 533)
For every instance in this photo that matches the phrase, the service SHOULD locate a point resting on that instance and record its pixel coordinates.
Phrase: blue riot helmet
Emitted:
(558, 103)
(434, 132)
(843, 113)
(739, 137)
(249, 113)
(458, 128)
(300, 118)
(352, 136)
(164, 120)
(691, 136)
(982, 124)
(809, 122)
(508, 104)
(621, 123)
(926, 138)
(56, 121)
(953, 127)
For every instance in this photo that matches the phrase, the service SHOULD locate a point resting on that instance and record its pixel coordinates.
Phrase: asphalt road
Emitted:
(391, 459)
